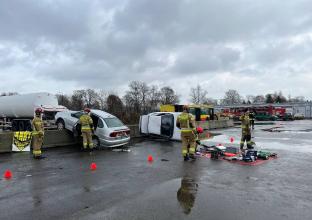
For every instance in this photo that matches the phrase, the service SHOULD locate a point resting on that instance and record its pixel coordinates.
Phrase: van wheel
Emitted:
(96, 142)
(60, 124)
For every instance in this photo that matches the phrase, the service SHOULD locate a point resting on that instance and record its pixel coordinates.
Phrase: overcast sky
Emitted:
(253, 46)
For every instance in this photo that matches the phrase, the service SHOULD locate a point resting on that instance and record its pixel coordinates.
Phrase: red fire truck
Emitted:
(262, 113)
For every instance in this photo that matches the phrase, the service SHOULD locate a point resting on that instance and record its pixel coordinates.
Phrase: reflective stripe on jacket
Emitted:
(37, 126)
(245, 124)
(86, 122)
(187, 122)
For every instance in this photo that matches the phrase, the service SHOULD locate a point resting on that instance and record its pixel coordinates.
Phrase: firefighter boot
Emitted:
(39, 157)
(186, 157)
(192, 156)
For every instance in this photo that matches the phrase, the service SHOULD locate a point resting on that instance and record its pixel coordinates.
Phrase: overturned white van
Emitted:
(161, 124)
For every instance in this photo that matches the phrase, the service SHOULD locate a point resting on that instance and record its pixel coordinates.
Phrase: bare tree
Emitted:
(153, 98)
(90, 97)
(64, 100)
(269, 98)
(168, 96)
(8, 93)
(136, 96)
(231, 97)
(259, 99)
(298, 99)
(102, 98)
(77, 102)
(114, 105)
(210, 101)
(198, 95)
(250, 99)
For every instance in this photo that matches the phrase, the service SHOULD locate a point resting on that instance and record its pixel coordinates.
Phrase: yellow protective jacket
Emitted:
(186, 122)
(37, 126)
(86, 123)
(245, 124)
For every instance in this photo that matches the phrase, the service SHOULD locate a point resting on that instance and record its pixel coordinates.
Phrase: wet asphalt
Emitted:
(126, 186)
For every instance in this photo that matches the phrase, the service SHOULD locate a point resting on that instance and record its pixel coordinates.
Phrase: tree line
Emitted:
(141, 98)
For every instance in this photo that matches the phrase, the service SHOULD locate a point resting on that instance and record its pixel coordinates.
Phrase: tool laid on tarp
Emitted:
(265, 155)
(249, 157)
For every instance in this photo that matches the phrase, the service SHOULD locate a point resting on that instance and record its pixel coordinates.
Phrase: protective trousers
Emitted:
(247, 138)
(87, 139)
(37, 144)
(252, 123)
(188, 139)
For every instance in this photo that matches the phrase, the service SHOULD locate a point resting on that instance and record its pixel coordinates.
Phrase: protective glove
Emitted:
(40, 133)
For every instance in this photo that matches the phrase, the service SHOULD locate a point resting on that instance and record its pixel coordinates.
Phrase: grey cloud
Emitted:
(54, 20)
(114, 41)
(206, 59)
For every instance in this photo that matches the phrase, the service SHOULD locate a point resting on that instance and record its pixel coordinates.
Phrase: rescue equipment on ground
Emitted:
(231, 154)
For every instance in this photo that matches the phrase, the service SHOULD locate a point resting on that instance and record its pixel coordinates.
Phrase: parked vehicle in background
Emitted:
(109, 131)
(264, 116)
(23, 106)
(299, 116)
(287, 117)
(201, 112)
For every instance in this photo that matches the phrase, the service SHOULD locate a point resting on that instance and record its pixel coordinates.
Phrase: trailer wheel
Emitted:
(60, 124)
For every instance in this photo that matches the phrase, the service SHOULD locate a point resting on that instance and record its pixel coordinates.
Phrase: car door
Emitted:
(73, 119)
(100, 129)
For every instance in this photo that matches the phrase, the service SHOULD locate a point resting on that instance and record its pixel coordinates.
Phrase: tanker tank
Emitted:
(23, 106)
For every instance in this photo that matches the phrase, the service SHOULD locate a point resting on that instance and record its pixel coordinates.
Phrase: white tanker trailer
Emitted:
(23, 106)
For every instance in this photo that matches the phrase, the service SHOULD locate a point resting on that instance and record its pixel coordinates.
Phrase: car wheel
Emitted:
(96, 142)
(60, 124)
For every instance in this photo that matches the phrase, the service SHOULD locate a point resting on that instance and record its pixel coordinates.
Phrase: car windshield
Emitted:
(113, 122)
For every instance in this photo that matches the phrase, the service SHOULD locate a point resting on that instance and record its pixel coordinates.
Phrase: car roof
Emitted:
(102, 114)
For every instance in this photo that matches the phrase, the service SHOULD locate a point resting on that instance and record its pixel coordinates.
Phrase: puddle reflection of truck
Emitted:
(16, 111)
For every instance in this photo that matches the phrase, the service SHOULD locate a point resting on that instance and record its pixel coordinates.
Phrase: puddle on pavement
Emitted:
(280, 129)
(186, 194)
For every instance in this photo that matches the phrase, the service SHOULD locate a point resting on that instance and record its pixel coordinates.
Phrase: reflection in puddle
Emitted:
(187, 193)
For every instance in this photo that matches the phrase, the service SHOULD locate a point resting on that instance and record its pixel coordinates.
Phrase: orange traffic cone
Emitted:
(8, 174)
(93, 166)
(150, 158)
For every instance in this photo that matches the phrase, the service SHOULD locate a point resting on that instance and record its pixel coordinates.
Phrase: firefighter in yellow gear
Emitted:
(38, 134)
(86, 123)
(186, 122)
(246, 134)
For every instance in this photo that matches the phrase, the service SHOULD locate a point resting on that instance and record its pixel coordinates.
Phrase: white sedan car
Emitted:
(109, 131)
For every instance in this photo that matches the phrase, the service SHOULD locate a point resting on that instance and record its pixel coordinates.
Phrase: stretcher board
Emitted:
(21, 141)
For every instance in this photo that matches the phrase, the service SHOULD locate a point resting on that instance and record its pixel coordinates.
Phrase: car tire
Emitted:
(60, 124)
